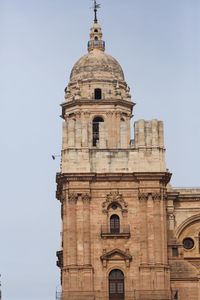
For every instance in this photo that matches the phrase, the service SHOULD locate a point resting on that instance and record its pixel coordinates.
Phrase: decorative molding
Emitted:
(143, 196)
(189, 221)
(162, 177)
(109, 113)
(116, 255)
(73, 197)
(156, 197)
(77, 114)
(86, 198)
(82, 101)
(114, 197)
(86, 113)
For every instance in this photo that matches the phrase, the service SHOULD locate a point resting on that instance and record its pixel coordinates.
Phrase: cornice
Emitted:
(136, 176)
(172, 195)
(163, 177)
(62, 178)
(177, 196)
(95, 102)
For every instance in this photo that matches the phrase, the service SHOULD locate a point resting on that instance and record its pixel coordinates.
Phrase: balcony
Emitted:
(96, 44)
(123, 232)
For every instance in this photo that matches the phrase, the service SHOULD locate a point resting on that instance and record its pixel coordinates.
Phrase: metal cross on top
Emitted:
(96, 6)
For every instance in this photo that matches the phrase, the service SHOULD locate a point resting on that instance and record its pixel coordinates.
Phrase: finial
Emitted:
(96, 6)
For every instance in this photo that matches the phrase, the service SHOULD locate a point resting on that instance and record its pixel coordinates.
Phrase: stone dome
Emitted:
(97, 65)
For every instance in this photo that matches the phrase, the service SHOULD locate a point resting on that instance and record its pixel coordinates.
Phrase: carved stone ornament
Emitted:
(171, 217)
(116, 255)
(109, 113)
(86, 198)
(156, 196)
(86, 113)
(114, 197)
(143, 196)
(73, 197)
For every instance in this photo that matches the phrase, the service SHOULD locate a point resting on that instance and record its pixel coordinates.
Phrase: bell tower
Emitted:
(112, 189)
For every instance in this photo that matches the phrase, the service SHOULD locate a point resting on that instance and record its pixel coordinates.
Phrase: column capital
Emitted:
(86, 198)
(143, 196)
(72, 197)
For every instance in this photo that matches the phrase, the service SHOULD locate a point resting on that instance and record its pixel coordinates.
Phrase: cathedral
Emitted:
(127, 234)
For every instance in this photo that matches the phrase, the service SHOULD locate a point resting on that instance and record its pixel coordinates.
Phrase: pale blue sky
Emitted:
(157, 43)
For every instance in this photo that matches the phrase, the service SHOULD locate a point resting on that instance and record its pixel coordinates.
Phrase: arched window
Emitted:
(116, 285)
(96, 30)
(97, 94)
(96, 42)
(114, 224)
(95, 128)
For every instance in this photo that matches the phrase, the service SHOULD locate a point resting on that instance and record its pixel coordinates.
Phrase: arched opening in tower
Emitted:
(97, 94)
(95, 127)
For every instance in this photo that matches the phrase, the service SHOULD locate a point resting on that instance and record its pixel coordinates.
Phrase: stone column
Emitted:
(160, 134)
(128, 122)
(123, 134)
(79, 230)
(65, 232)
(117, 124)
(111, 129)
(157, 228)
(84, 133)
(72, 229)
(71, 133)
(150, 226)
(86, 229)
(164, 228)
(148, 133)
(102, 135)
(64, 135)
(78, 137)
(155, 133)
(141, 133)
(143, 227)
(90, 129)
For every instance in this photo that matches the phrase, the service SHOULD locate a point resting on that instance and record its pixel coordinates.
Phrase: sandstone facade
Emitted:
(126, 233)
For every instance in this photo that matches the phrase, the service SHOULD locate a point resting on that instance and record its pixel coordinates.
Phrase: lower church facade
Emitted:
(126, 233)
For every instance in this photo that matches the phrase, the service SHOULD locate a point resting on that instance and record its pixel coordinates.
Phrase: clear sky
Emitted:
(157, 43)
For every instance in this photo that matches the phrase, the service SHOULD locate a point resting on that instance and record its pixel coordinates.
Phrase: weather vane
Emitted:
(96, 6)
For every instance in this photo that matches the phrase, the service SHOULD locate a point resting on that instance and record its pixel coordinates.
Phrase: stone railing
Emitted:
(124, 231)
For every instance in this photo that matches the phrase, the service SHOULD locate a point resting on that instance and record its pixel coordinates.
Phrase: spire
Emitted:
(96, 33)
(96, 6)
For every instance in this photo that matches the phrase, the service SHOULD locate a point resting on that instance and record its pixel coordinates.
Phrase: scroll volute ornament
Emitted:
(143, 196)
(73, 197)
(86, 198)
(114, 197)
(156, 197)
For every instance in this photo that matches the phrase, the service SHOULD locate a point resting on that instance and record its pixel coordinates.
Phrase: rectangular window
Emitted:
(174, 251)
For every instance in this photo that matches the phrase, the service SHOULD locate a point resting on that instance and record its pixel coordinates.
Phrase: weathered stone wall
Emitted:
(90, 252)
(147, 155)
(183, 211)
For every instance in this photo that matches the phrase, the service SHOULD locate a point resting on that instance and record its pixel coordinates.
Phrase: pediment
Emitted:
(116, 254)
